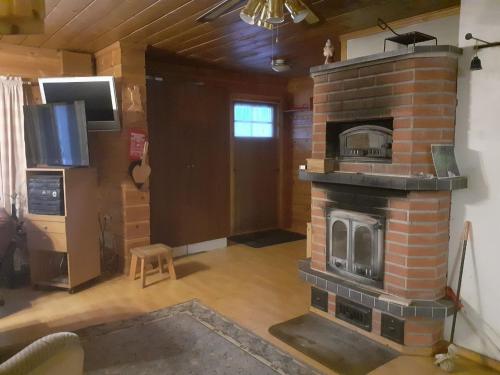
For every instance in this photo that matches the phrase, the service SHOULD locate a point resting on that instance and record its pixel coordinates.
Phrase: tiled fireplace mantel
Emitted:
(398, 54)
(395, 182)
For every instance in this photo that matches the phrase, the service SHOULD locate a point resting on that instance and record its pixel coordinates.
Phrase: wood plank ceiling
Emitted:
(90, 25)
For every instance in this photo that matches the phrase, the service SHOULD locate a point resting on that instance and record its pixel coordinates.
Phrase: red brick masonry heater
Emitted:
(380, 222)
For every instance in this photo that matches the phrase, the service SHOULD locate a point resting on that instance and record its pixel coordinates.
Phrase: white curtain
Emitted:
(12, 154)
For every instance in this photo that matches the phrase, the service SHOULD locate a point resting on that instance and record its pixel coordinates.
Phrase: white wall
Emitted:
(445, 29)
(478, 153)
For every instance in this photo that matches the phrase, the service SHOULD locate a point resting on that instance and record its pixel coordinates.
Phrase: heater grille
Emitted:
(393, 329)
(353, 313)
(319, 299)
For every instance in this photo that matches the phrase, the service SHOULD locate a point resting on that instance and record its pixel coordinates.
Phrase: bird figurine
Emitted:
(328, 52)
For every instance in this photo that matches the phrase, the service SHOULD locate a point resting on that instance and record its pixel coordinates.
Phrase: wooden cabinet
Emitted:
(189, 133)
(64, 249)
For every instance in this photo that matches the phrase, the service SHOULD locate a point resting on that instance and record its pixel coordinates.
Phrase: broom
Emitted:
(446, 360)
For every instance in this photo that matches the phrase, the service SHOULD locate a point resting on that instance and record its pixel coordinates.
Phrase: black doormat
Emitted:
(266, 238)
(336, 347)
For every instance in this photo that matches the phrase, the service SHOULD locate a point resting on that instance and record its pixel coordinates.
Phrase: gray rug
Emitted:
(188, 338)
(336, 347)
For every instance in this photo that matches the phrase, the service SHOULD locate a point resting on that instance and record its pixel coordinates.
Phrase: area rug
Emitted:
(266, 238)
(189, 338)
(333, 345)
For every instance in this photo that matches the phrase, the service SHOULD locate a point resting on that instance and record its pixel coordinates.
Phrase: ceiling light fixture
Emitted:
(265, 13)
(297, 10)
(280, 65)
(261, 20)
(276, 14)
(251, 11)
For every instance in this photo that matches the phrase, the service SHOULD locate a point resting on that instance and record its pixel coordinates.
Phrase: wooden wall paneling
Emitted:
(76, 64)
(109, 150)
(28, 62)
(136, 220)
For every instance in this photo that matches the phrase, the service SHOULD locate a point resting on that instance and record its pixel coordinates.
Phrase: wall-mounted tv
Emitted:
(56, 135)
(98, 93)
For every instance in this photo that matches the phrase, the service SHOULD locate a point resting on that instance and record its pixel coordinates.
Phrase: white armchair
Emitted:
(57, 354)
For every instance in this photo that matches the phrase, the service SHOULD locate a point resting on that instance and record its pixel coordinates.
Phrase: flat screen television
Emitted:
(98, 93)
(56, 135)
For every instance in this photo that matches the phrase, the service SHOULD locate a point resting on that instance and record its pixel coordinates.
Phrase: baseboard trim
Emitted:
(199, 247)
(478, 358)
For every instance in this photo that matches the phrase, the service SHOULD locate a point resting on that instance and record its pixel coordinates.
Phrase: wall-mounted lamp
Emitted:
(475, 64)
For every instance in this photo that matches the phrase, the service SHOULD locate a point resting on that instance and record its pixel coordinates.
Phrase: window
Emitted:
(253, 120)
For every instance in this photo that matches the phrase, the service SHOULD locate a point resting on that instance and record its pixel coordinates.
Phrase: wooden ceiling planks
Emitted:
(90, 25)
(96, 10)
(119, 15)
(138, 21)
(63, 13)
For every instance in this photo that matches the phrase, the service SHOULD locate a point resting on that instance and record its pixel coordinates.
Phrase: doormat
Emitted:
(336, 347)
(266, 238)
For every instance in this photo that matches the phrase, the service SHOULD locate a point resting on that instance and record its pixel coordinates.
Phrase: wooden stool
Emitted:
(144, 253)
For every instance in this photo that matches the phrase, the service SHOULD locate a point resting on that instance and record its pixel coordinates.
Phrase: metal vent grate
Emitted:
(319, 299)
(353, 313)
(393, 329)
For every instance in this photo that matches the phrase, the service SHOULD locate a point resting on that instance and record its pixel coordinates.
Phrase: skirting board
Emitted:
(199, 247)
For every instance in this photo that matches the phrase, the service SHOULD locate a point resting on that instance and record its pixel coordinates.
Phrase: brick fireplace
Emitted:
(388, 178)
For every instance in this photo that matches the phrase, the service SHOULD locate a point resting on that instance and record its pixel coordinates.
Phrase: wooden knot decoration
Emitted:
(328, 52)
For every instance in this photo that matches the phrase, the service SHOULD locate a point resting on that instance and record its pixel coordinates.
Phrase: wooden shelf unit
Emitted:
(64, 250)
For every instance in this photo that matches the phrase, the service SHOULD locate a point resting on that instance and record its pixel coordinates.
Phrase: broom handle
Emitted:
(465, 237)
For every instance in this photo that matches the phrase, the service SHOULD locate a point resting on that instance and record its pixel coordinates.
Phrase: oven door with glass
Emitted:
(355, 244)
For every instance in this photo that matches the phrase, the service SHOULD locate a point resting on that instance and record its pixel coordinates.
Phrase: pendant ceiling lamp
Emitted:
(266, 13)
(251, 12)
(276, 13)
(297, 10)
(261, 19)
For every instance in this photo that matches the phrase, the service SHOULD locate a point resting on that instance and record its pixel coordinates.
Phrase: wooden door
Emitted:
(170, 124)
(189, 133)
(209, 175)
(255, 182)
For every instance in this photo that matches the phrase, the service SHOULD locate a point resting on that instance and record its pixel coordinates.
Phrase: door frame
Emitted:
(278, 103)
